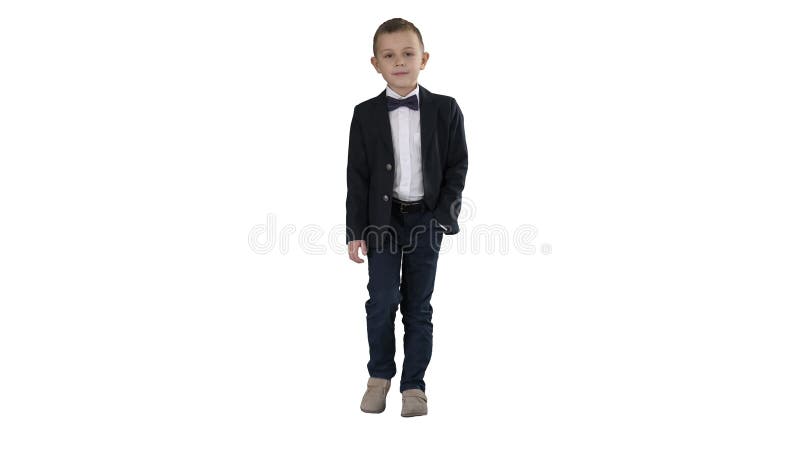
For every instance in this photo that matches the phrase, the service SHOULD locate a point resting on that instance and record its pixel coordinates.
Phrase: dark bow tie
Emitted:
(394, 103)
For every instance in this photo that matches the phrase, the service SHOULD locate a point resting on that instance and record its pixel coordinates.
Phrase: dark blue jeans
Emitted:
(410, 248)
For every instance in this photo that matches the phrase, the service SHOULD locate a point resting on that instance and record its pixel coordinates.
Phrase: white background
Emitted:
(653, 146)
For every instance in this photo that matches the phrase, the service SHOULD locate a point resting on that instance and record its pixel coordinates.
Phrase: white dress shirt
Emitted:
(407, 149)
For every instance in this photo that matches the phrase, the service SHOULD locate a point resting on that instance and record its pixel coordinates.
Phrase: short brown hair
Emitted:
(391, 26)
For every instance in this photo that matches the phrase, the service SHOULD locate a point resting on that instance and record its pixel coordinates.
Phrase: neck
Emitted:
(403, 91)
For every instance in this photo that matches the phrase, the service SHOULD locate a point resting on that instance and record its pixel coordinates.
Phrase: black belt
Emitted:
(407, 207)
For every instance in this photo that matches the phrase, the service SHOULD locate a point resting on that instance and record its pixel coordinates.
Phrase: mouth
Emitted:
(400, 74)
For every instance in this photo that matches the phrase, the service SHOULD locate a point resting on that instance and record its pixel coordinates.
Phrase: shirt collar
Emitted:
(394, 94)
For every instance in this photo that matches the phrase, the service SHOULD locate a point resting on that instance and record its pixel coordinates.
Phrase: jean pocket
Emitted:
(435, 224)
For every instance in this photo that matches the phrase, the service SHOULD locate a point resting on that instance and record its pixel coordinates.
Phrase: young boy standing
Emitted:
(406, 169)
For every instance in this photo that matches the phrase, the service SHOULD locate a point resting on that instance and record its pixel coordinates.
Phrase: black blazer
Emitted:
(371, 165)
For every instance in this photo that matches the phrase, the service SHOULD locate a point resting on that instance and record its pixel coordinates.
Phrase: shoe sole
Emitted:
(373, 412)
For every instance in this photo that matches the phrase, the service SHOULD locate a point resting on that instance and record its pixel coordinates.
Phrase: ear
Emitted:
(425, 57)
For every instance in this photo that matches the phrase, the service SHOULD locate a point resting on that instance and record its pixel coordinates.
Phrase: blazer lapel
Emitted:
(384, 127)
(427, 123)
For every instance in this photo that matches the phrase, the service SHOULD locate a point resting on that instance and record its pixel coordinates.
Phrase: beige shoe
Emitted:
(374, 400)
(415, 403)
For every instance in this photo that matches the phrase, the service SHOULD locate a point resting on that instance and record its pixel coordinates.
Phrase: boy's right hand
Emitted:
(352, 250)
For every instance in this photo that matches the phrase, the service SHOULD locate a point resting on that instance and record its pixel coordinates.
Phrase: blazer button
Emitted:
(388, 167)
(386, 198)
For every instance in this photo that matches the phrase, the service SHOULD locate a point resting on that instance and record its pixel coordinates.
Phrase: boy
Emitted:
(406, 168)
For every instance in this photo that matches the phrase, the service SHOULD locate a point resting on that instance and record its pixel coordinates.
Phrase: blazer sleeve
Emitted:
(455, 173)
(357, 202)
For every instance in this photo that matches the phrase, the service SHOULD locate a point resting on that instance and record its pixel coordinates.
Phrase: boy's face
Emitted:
(400, 58)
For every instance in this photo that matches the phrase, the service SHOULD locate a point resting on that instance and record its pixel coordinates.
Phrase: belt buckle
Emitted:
(403, 208)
